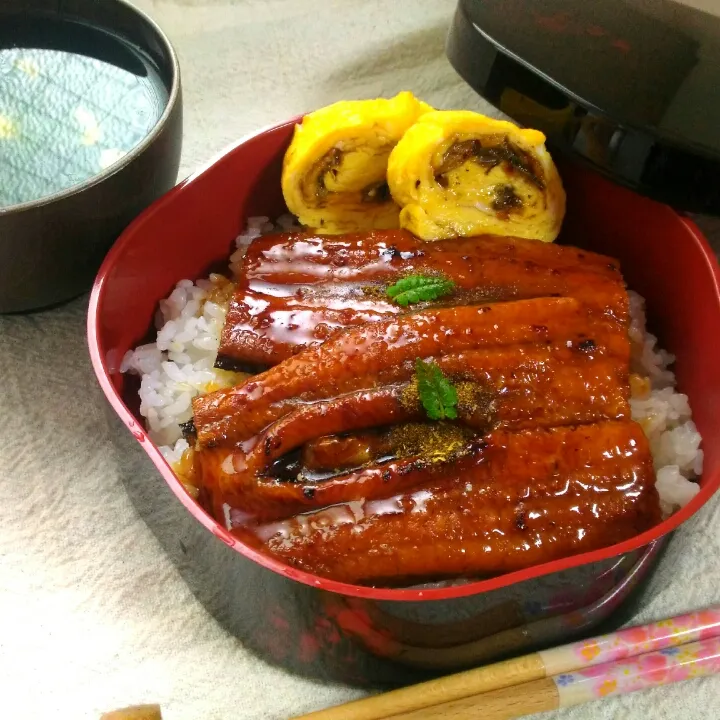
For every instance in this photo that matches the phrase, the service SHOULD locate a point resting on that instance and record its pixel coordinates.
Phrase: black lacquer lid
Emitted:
(628, 87)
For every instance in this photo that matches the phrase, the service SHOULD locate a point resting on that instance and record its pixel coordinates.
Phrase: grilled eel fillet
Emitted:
(296, 289)
(550, 464)
(376, 354)
(520, 499)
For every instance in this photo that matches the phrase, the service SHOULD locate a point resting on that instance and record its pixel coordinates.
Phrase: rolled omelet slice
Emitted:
(459, 173)
(334, 172)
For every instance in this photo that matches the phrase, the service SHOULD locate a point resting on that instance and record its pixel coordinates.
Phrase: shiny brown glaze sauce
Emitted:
(296, 289)
(328, 461)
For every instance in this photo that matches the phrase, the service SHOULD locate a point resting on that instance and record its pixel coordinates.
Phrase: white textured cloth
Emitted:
(93, 616)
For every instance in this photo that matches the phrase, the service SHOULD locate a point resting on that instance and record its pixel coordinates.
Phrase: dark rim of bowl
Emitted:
(138, 149)
(98, 358)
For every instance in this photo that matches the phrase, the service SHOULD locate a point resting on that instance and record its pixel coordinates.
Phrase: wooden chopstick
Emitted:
(435, 692)
(505, 704)
(533, 673)
(136, 712)
(642, 672)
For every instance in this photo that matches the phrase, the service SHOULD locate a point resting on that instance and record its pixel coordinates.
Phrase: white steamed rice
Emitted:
(179, 365)
(665, 416)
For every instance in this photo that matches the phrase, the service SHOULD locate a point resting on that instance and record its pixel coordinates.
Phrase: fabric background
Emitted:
(93, 616)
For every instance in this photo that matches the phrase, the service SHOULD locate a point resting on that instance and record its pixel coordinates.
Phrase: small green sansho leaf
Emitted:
(419, 288)
(437, 394)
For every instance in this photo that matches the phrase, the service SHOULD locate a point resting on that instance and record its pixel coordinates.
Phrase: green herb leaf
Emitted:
(437, 394)
(419, 288)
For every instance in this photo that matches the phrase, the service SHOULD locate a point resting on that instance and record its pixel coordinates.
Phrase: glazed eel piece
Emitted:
(297, 289)
(361, 380)
(520, 499)
(380, 353)
(536, 387)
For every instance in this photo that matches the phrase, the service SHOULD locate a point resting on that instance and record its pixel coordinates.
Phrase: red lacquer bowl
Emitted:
(362, 634)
